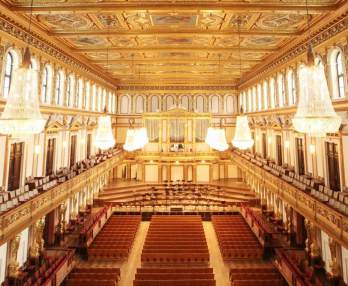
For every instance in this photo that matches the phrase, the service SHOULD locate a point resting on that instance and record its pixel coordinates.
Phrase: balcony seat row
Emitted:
(306, 183)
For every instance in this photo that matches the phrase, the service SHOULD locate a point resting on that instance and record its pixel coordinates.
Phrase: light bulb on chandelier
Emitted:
(216, 139)
(136, 138)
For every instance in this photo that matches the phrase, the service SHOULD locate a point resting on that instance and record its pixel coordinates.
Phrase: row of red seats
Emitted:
(256, 276)
(116, 238)
(175, 240)
(174, 277)
(235, 238)
(93, 276)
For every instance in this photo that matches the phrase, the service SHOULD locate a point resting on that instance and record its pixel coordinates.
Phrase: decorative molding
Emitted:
(331, 29)
(9, 26)
(172, 87)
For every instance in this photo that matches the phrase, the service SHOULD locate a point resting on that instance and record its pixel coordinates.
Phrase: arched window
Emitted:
(272, 92)
(124, 104)
(200, 103)
(291, 87)
(114, 103)
(340, 74)
(229, 106)
(254, 99)
(45, 82)
(8, 74)
(250, 101)
(59, 87)
(281, 90)
(265, 95)
(170, 102)
(139, 104)
(214, 104)
(154, 103)
(259, 97)
(184, 102)
(86, 96)
(68, 91)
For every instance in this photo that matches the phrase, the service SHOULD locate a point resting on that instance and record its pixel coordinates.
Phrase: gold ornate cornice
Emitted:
(174, 87)
(337, 24)
(15, 29)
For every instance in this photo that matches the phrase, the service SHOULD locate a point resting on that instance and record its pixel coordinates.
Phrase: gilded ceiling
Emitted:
(174, 41)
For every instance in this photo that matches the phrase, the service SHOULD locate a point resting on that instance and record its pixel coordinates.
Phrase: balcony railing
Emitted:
(18, 218)
(327, 218)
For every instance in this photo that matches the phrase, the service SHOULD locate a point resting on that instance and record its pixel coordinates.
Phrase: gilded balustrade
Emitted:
(326, 218)
(18, 218)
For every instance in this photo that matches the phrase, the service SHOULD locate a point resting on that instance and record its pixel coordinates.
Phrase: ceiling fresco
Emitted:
(135, 41)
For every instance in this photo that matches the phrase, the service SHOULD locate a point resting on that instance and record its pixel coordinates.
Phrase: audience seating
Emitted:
(306, 183)
(94, 277)
(235, 238)
(255, 276)
(176, 250)
(116, 238)
(175, 239)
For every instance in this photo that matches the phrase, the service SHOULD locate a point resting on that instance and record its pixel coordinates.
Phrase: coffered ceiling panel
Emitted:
(181, 41)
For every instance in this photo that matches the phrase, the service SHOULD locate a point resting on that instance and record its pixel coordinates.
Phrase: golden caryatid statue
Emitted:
(13, 264)
(335, 270)
(38, 241)
(312, 247)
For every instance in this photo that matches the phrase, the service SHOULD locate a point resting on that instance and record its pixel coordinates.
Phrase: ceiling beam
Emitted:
(174, 49)
(173, 32)
(139, 5)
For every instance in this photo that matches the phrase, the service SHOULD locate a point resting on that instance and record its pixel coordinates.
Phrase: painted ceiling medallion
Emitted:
(272, 21)
(67, 21)
(109, 20)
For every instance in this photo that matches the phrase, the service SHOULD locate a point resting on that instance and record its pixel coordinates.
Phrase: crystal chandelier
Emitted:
(104, 138)
(21, 116)
(216, 139)
(242, 136)
(136, 138)
(315, 114)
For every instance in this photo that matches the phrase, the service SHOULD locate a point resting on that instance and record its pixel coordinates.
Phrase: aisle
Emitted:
(129, 268)
(221, 270)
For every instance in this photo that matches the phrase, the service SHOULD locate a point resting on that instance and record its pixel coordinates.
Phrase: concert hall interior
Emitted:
(173, 142)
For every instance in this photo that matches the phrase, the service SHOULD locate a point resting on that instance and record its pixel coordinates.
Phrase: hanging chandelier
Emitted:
(216, 139)
(315, 114)
(136, 138)
(21, 116)
(104, 137)
(242, 136)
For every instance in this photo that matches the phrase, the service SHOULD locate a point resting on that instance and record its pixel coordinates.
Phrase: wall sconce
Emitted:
(37, 149)
(269, 140)
(65, 144)
(203, 161)
(151, 161)
(312, 148)
(287, 144)
(176, 162)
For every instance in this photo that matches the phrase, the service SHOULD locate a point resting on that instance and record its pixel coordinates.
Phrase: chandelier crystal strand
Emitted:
(104, 138)
(21, 116)
(130, 144)
(242, 136)
(216, 139)
(315, 114)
